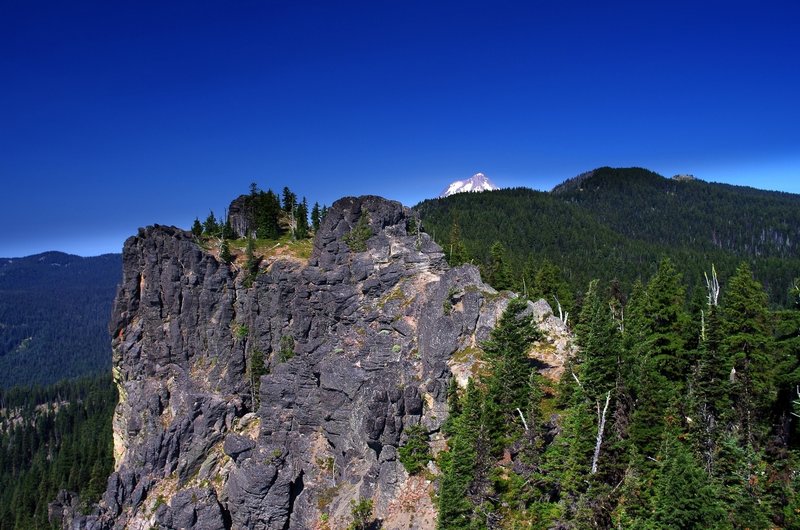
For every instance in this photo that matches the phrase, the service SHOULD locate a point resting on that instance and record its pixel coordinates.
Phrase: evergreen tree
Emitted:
(598, 336)
(549, 284)
(227, 230)
(211, 226)
(415, 453)
(197, 228)
(669, 323)
(507, 386)
(316, 217)
(459, 464)
(225, 252)
(267, 211)
(684, 496)
(748, 344)
(289, 200)
(457, 254)
(663, 362)
(498, 272)
(301, 220)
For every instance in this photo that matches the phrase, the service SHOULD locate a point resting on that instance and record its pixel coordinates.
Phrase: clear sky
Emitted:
(120, 114)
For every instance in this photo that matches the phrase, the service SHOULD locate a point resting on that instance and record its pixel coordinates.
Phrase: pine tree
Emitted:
(316, 218)
(748, 344)
(301, 220)
(668, 321)
(227, 230)
(197, 228)
(498, 271)
(549, 284)
(684, 495)
(225, 252)
(289, 200)
(508, 390)
(211, 227)
(459, 464)
(457, 253)
(598, 337)
(415, 453)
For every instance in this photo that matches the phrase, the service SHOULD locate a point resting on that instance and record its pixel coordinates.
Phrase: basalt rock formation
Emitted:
(356, 345)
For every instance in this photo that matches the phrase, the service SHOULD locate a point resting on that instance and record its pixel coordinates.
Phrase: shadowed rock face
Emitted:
(366, 338)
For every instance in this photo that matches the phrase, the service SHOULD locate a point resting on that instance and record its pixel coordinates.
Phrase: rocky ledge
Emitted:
(271, 402)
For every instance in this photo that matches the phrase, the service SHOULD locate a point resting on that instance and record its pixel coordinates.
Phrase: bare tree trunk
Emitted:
(525, 423)
(600, 428)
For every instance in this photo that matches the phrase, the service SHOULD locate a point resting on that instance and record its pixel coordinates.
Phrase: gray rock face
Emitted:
(239, 216)
(200, 443)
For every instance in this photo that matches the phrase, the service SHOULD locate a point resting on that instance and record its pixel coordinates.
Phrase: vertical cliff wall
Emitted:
(355, 344)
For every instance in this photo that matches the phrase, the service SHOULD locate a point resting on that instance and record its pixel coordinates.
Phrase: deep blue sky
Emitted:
(115, 115)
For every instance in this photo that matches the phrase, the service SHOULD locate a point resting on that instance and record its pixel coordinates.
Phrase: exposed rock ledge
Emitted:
(374, 336)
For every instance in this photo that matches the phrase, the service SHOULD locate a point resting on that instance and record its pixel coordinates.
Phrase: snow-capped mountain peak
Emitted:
(477, 182)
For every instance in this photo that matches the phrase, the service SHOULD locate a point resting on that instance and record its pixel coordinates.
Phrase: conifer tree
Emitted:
(459, 464)
(457, 251)
(289, 200)
(498, 271)
(666, 340)
(316, 218)
(748, 344)
(197, 228)
(684, 495)
(301, 220)
(507, 386)
(211, 227)
(225, 252)
(227, 230)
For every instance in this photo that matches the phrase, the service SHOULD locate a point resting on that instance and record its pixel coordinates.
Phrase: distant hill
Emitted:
(618, 223)
(54, 311)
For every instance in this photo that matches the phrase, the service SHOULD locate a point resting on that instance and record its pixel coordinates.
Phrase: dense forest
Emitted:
(54, 311)
(53, 438)
(671, 416)
(616, 225)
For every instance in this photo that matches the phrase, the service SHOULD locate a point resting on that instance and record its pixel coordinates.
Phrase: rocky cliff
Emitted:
(357, 344)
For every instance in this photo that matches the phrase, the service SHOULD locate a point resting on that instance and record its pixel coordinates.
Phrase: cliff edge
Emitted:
(272, 401)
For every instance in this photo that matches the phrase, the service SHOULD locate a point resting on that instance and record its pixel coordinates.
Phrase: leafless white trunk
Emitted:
(600, 428)
(712, 284)
(564, 316)
(525, 423)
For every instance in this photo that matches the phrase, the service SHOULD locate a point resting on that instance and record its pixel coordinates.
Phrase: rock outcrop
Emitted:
(356, 345)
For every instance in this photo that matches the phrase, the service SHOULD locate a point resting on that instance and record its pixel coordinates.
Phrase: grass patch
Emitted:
(464, 355)
(284, 246)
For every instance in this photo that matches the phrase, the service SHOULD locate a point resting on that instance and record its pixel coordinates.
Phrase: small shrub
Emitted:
(286, 350)
(240, 331)
(361, 512)
(357, 238)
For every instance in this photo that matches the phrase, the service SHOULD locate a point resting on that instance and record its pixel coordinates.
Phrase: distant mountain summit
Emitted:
(477, 182)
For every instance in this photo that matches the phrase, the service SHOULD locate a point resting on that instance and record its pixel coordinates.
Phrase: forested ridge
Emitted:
(54, 311)
(53, 438)
(678, 411)
(617, 224)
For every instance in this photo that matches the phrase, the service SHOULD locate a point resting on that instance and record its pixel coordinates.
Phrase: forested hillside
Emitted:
(51, 439)
(616, 224)
(667, 417)
(54, 311)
